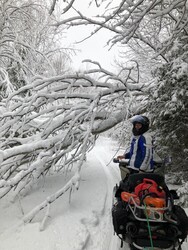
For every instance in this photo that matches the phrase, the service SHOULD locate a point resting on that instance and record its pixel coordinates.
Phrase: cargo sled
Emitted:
(144, 214)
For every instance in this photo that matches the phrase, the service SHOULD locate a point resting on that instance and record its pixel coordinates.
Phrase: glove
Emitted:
(120, 157)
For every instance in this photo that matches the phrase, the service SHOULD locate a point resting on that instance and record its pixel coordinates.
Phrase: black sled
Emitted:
(148, 219)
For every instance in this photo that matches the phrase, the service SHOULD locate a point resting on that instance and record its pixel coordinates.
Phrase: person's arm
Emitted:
(124, 156)
(145, 144)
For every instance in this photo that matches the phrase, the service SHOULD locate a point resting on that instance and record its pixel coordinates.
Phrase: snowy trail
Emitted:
(113, 242)
(100, 235)
(112, 175)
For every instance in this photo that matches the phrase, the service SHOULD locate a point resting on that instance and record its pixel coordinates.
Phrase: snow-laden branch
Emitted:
(111, 121)
(128, 20)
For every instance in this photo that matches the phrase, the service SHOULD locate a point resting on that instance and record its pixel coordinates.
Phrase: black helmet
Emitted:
(142, 120)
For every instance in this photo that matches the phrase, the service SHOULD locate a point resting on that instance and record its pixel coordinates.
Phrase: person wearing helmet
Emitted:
(140, 155)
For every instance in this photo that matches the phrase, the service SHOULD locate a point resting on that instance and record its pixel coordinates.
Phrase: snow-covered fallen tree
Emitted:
(51, 122)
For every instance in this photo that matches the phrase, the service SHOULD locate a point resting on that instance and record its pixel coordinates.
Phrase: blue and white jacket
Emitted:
(141, 153)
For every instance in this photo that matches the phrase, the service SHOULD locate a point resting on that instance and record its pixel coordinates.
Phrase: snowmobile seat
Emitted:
(135, 179)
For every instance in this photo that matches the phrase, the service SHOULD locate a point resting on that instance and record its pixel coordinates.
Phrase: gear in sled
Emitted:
(144, 214)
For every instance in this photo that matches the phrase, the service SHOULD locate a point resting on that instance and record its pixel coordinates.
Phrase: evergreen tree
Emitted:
(169, 104)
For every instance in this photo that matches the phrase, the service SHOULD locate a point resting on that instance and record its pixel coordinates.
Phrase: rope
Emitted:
(149, 229)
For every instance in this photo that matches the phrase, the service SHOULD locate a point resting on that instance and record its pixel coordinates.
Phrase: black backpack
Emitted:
(120, 217)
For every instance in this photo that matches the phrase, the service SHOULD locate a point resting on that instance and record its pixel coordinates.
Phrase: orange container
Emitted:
(149, 186)
(155, 202)
(125, 196)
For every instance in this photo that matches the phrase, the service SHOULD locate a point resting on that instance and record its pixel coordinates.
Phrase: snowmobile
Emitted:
(144, 214)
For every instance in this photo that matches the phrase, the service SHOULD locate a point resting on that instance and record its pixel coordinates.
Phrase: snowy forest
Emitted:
(51, 114)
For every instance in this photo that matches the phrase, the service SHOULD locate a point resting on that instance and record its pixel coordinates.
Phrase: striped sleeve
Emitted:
(146, 149)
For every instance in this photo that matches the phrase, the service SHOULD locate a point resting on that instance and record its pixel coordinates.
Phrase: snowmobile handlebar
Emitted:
(124, 161)
(115, 160)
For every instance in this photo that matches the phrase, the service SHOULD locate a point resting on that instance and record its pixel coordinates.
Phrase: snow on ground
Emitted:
(84, 223)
